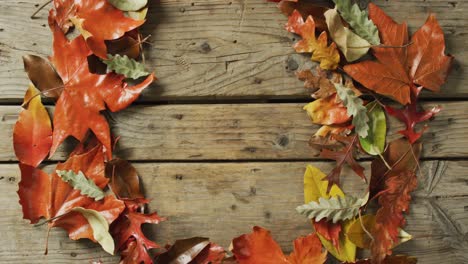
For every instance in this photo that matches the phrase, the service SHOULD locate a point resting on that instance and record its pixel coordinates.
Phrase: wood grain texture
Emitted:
(238, 132)
(224, 200)
(220, 49)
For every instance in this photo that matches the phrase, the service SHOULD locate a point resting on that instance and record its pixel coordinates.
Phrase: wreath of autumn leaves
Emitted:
(363, 58)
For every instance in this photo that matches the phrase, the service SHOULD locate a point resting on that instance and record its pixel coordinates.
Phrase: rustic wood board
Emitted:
(220, 49)
(224, 200)
(238, 132)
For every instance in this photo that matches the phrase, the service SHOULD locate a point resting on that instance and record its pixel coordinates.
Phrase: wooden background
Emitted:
(221, 140)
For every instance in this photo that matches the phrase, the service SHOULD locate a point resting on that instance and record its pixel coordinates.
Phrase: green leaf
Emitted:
(129, 5)
(334, 208)
(346, 40)
(126, 66)
(79, 182)
(355, 107)
(374, 143)
(358, 20)
(100, 228)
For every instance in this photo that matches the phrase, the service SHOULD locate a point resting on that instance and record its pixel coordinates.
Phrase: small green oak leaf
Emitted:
(126, 66)
(79, 182)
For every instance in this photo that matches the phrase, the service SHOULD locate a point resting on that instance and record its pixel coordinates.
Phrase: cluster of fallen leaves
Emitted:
(97, 196)
(364, 59)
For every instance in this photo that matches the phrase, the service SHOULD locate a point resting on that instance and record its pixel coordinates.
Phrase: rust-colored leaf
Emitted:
(32, 134)
(195, 250)
(399, 71)
(394, 201)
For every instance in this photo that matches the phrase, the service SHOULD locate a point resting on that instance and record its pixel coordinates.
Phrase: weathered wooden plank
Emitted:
(224, 200)
(238, 131)
(219, 48)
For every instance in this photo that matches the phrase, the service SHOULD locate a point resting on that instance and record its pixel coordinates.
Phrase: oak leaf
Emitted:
(259, 247)
(394, 201)
(130, 239)
(358, 20)
(355, 108)
(44, 195)
(126, 66)
(339, 208)
(112, 22)
(328, 56)
(32, 134)
(399, 71)
(410, 115)
(85, 94)
(342, 156)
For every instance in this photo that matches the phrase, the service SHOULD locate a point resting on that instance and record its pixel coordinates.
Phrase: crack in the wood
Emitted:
(434, 177)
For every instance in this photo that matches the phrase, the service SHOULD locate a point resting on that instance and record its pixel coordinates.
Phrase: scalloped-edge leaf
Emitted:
(358, 19)
(334, 208)
(126, 66)
(100, 228)
(355, 107)
(79, 182)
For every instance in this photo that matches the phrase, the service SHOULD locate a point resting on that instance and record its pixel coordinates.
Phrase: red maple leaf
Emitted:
(128, 235)
(44, 195)
(98, 18)
(342, 156)
(394, 201)
(259, 247)
(398, 71)
(85, 94)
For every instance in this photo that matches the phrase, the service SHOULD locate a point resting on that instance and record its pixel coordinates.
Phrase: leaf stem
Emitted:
(40, 8)
(382, 46)
(384, 161)
(42, 92)
(50, 219)
(364, 228)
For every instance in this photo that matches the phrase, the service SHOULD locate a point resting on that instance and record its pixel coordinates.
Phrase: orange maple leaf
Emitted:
(85, 94)
(259, 247)
(97, 20)
(328, 56)
(399, 71)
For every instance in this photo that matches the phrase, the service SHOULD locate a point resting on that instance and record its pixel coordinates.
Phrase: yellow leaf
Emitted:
(314, 188)
(346, 40)
(361, 239)
(328, 56)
